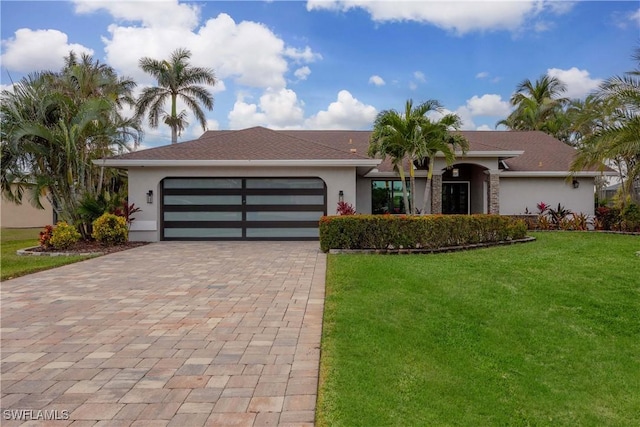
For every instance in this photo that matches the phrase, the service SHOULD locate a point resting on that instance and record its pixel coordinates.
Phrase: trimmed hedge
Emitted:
(416, 232)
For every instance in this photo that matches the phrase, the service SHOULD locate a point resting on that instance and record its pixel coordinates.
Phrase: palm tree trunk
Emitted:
(427, 188)
(412, 178)
(405, 195)
(174, 117)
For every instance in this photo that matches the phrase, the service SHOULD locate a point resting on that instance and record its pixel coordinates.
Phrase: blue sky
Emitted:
(326, 64)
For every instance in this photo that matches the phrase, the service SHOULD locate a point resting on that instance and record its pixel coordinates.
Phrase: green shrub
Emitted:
(416, 232)
(64, 235)
(110, 229)
(631, 217)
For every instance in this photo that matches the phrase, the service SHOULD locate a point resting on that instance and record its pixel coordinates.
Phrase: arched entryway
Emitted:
(465, 189)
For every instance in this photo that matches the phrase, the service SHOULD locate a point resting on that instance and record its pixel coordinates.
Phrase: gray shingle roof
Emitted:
(541, 151)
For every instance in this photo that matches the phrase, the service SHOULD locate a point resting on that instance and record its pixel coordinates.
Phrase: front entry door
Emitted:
(455, 198)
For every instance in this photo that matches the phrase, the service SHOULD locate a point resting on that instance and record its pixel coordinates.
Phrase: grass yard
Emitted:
(12, 265)
(543, 333)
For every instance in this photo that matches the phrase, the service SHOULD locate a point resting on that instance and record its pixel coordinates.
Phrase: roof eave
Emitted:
(122, 163)
(554, 174)
(503, 154)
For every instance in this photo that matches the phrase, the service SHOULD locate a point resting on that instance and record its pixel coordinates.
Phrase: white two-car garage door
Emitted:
(242, 208)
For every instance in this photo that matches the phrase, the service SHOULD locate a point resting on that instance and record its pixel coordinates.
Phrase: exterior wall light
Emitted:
(150, 196)
(341, 196)
(576, 183)
(455, 172)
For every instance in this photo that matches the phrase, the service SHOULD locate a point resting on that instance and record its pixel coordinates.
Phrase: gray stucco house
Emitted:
(259, 183)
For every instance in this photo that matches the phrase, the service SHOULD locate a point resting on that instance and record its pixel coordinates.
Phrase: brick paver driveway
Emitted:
(178, 334)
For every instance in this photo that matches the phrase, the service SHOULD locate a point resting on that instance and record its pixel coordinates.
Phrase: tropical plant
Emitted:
(617, 141)
(437, 138)
(45, 236)
(411, 137)
(539, 106)
(176, 79)
(110, 229)
(54, 124)
(345, 208)
(391, 137)
(558, 215)
(64, 235)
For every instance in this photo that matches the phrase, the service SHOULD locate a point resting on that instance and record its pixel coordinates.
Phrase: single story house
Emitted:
(258, 183)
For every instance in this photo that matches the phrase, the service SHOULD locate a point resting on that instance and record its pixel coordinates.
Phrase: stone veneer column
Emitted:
(494, 192)
(436, 194)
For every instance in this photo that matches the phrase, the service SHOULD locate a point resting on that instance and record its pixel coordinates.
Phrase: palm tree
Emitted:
(397, 136)
(538, 106)
(618, 139)
(177, 79)
(438, 138)
(54, 124)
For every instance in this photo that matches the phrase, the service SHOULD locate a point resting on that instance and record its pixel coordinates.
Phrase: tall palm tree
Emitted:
(177, 79)
(618, 139)
(438, 138)
(397, 136)
(538, 106)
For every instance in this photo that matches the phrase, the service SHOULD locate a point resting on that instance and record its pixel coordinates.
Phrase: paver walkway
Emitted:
(169, 334)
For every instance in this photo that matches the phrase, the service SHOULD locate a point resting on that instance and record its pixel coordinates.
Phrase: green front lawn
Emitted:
(12, 265)
(543, 333)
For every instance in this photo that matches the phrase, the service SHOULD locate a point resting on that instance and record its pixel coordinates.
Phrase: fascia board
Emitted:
(121, 163)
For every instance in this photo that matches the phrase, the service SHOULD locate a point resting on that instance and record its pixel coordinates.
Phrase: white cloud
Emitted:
(635, 17)
(247, 52)
(276, 109)
(376, 80)
(302, 55)
(345, 113)
(453, 16)
(488, 105)
(579, 83)
(32, 50)
(476, 106)
(302, 73)
(162, 14)
(482, 75)
(419, 76)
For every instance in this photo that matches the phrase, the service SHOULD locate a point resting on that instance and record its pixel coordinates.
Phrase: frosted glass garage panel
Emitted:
(179, 233)
(184, 199)
(282, 232)
(285, 183)
(203, 216)
(284, 216)
(202, 183)
(284, 199)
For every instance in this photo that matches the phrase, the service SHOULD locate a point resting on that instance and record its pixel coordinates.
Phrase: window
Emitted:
(386, 197)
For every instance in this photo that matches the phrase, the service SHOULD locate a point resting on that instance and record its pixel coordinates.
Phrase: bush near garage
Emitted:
(110, 229)
(416, 232)
(62, 236)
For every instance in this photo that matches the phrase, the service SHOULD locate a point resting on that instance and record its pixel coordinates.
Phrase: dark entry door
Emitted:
(455, 198)
(242, 208)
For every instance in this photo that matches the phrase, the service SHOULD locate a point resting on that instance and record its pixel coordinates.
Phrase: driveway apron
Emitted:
(168, 334)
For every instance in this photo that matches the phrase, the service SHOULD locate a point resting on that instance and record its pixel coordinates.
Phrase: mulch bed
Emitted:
(83, 247)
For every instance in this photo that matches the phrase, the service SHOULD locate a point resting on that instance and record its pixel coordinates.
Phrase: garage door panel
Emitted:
(202, 233)
(187, 199)
(284, 215)
(243, 208)
(201, 183)
(203, 216)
